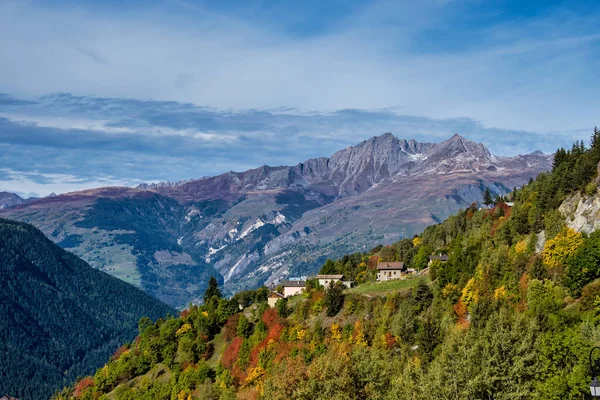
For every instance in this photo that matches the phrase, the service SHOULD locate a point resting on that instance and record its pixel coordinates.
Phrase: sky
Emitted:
(122, 92)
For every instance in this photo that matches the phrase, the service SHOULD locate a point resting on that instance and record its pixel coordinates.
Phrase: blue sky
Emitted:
(119, 92)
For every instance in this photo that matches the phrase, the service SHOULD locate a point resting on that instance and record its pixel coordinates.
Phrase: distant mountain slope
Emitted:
(8, 199)
(60, 318)
(267, 223)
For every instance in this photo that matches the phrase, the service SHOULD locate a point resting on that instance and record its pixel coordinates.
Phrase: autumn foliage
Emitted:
(231, 352)
(82, 386)
(117, 354)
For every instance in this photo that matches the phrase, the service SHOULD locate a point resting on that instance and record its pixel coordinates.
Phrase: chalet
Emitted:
(291, 288)
(325, 280)
(387, 271)
(273, 297)
(438, 257)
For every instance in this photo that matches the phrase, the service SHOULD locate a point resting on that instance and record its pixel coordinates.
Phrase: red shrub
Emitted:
(231, 352)
(460, 309)
(390, 340)
(270, 317)
(82, 386)
(117, 354)
(230, 328)
(282, 350)
(469, 214)
(373, 260)
(274, 334)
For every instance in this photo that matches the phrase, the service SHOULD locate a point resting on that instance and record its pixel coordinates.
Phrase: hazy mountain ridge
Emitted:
(257, 225)
(8, 200)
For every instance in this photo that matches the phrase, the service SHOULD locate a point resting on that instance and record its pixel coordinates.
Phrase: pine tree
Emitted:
(559, 157)
(212, 290)
(334, 298)
(595, 142)
(487, 197)
(244, 329)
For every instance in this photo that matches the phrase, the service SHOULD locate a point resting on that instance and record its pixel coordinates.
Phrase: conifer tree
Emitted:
(212, 290)
(595, 142)
(487, 197)
(334, 298)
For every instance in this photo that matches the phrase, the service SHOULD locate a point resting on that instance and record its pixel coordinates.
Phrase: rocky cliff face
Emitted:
(265, 224)
(582, 212)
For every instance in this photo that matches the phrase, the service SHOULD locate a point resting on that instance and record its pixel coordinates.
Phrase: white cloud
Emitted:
(42, 184)
(512, 78)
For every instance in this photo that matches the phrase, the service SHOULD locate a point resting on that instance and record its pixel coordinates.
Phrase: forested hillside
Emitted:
(512, 314)
(59, 317)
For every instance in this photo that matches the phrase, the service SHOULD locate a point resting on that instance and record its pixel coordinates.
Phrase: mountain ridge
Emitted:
(254, 226)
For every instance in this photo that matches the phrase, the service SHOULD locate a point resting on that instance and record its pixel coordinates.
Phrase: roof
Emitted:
(293, 283)
(441, 257)
(390, 265)
(8, 398)
(330, 277)
(272, 295)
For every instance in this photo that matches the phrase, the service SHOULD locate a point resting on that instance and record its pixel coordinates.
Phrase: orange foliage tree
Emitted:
(82, 386)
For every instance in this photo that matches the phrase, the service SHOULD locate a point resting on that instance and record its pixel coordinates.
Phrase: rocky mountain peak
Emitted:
(537, 153)
(165, 184)
(458, 153)
(8, 199)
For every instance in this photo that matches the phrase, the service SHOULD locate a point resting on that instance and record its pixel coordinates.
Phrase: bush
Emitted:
(591, 188)
(589, 296)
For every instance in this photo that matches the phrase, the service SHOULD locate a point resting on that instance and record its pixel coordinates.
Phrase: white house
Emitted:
(325, 280)
(292, 288)
(387, 271)
(273, 297)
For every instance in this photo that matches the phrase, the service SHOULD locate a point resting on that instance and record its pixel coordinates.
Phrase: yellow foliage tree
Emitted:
(449, 290)
(500, 293)
(521, 246)
(183, 395)
(469, 293)
(359, 334)
(300, 334)
(336, 331)
(557, 250)
(417, 241)
(183, 330)
(254, 375)
(256, 378)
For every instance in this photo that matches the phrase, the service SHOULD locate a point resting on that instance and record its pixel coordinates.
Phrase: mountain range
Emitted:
(265, 224)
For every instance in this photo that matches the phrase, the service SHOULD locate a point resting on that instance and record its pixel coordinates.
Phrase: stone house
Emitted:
(387, 271)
